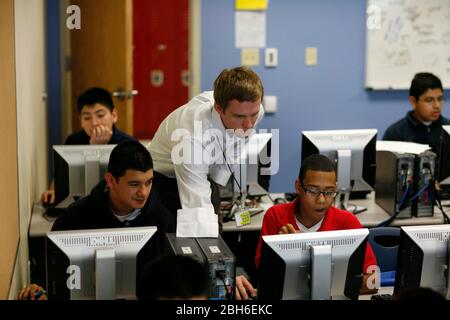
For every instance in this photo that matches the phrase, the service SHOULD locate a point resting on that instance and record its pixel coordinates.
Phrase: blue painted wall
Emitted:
(330, 95)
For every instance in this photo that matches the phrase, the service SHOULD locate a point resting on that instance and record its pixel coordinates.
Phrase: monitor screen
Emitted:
(354, 154)
(423, 258)
(78, 168)
(95, 264)
(315, 265)
(444, 162)
(254, 171)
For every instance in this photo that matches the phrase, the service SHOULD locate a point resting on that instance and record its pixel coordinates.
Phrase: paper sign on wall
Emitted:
(250, 29)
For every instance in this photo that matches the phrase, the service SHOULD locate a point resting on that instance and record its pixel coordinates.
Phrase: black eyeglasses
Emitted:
(316, 192)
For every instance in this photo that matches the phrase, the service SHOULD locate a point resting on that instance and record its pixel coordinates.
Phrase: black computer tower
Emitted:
(217, 258)
(404, 183)
(394, 183)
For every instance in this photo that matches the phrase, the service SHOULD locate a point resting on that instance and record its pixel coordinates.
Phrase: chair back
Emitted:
(384, 242)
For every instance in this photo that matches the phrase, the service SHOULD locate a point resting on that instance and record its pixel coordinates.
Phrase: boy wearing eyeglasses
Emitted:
(422, 124)
(313, 208)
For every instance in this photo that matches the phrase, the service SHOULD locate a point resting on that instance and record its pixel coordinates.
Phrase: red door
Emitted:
(160, 61)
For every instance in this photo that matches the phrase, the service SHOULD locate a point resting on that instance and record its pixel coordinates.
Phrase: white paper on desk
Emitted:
(250, 29)
(197, 223)
(402, 147)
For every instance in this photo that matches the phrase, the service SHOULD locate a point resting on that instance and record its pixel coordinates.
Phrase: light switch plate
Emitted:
(271, 57)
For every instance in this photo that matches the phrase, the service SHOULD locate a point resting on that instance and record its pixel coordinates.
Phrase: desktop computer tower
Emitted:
(394, 182)
(423, 205)
(404, 183)
(183, 247)
(217, 258)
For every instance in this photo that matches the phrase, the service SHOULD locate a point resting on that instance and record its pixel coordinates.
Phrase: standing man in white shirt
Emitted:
(198, 145)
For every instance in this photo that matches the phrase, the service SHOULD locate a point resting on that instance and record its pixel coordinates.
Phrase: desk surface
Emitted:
(40, 224)
(382, 290)
(369, 218)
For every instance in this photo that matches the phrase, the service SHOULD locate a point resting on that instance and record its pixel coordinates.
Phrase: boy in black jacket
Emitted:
(123, 199)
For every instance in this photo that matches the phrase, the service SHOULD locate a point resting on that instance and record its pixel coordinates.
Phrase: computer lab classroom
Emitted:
(336, 75)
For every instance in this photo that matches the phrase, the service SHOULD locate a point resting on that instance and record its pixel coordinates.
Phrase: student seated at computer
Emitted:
(312, 211)
(174, 278)
(97, 116)
(423, 124)
(123, 199)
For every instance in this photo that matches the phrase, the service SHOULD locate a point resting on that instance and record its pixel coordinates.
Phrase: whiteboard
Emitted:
(404, 37)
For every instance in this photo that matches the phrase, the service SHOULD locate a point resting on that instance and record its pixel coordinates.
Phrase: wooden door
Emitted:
(9, 202)
(101, 54)
(160, 61)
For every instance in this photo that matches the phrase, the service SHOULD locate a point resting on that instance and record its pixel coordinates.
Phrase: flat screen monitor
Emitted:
(78, 168)
(423, 258)
(94, 264)
(444, 162)
(353, 152)
(316, 265)
(254, 170)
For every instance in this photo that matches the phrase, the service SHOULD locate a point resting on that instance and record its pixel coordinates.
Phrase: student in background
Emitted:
(97, 119)
(422, 124)
(174, 278)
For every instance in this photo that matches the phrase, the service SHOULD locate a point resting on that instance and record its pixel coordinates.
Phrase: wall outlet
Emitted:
(311, 58)
(250, 57)
(270, 104)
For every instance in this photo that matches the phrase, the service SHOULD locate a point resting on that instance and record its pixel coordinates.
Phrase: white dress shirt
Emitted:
(200, 129)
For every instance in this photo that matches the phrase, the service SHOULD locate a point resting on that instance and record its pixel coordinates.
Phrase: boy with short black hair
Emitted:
(174, 278)
(423, 124)
(97, 118)
(313, 209)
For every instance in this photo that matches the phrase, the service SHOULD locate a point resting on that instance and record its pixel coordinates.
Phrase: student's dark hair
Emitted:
(419, 294)
(129, 155)
(95, 95)
(316, 162)
(422, 82)
(173, 277)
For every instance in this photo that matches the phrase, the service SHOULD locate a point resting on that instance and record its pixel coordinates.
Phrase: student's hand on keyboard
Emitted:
(244, 289)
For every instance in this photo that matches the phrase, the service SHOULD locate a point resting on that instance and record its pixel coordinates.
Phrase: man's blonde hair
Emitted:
(239, 83)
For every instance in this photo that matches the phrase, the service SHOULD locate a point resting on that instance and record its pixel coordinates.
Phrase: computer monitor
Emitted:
(423, 258)
(444, 163)
(353, 152)
(252, 174)
(315, 265)
(95, 264)
(78, 168)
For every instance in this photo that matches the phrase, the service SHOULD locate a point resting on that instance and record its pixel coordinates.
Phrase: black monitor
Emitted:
(78, 168)
(353, 152)
(423, 258)
(97, 264)
(314, 265)
(252, 173)
(444, 163)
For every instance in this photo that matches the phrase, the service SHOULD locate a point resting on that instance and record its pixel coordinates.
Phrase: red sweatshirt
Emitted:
(335, 219)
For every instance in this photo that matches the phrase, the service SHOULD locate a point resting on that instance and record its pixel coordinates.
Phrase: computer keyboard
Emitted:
(385, 296)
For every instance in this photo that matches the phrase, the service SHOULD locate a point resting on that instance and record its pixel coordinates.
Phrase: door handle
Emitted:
(122, 94)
